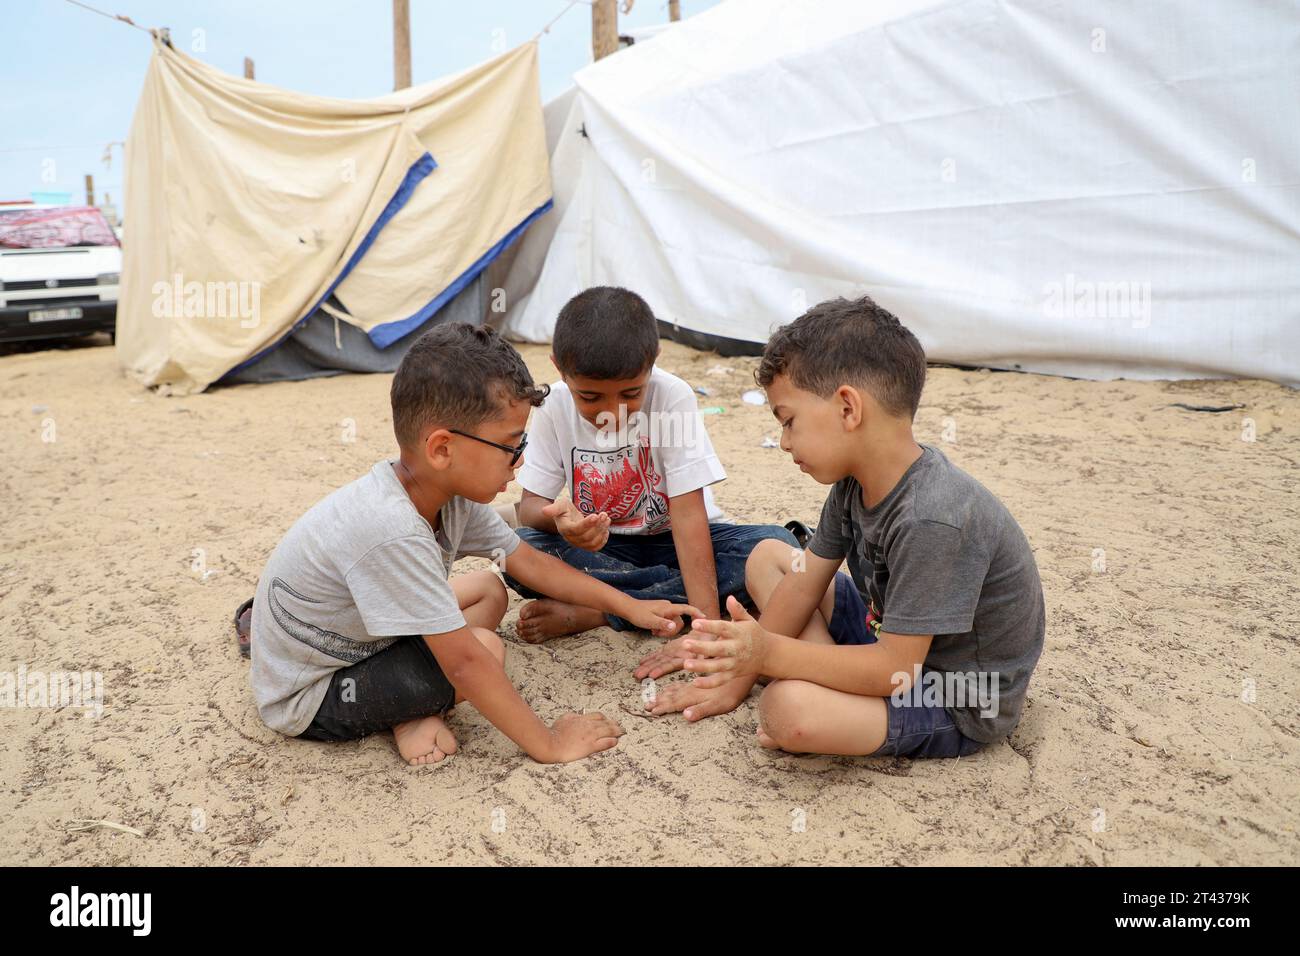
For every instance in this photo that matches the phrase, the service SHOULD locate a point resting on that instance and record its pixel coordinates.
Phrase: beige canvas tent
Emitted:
(251, 210)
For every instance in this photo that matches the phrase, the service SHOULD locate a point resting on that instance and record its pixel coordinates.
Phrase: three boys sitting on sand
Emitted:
(924, 649)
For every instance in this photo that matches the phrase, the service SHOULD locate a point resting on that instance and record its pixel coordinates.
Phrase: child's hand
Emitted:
(662, 660)
(589, 532)
(696, 703)
(739, 648)
(575, 736)
(660, 618)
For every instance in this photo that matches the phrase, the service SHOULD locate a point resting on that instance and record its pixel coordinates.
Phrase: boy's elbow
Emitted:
(905, 662)
(463, 661)
(689, 516)
(467, 671)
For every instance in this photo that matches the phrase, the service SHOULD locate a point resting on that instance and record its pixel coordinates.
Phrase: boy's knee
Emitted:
(495, 593)
(769, 554)
(781, 535)
(492, 641)
(490, 593)
(783, 712)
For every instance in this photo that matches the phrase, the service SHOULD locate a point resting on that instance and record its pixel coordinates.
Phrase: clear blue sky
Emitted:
(70, 78)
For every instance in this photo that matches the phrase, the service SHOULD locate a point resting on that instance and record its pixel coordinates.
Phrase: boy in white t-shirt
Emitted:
(627, 441)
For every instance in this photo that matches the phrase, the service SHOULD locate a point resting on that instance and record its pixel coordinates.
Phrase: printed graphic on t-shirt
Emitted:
(624, 484)
(877, 582)
(327, 642)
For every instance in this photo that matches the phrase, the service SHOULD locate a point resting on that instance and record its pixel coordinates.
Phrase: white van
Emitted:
(59, 270)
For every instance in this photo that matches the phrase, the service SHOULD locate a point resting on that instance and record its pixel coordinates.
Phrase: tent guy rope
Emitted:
(131, 23)
(112, 16)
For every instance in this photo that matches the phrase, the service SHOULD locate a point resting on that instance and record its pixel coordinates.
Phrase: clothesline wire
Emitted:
(29, 149)
(131, 23)
(112, 16)
(555, 19)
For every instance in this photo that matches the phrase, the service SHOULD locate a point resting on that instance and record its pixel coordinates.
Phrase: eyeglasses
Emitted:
(516, 451)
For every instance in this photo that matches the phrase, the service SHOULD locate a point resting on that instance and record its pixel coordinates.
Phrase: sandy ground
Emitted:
(1162, 725)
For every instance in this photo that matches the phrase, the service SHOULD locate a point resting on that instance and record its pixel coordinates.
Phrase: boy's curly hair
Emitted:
(458, 376)
(848, 342)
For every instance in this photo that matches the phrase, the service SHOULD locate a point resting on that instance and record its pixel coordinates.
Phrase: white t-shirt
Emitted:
(629, 472)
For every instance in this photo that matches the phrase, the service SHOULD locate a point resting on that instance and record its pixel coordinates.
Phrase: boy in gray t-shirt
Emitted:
(357, 626)
(926, 647)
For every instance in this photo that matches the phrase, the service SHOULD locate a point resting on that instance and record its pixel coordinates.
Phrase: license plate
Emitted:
(53, 315)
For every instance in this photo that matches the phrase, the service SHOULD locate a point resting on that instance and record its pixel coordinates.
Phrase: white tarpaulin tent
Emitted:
(251, 209)
(1092, 189)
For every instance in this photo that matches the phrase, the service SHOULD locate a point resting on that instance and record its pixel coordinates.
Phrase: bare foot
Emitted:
(766, 741)
(424, 741)
(544, 619)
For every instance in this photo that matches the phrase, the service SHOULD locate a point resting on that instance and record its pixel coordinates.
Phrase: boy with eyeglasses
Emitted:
(356, 625)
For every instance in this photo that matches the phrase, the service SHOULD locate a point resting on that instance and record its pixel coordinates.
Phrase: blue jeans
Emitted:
(645, 566)
(915, 730)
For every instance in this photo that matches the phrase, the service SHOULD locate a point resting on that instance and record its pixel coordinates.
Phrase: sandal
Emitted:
(802, 533)
(244, 628)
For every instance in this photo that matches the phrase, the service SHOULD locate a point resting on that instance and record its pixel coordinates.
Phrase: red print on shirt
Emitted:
(622, 483)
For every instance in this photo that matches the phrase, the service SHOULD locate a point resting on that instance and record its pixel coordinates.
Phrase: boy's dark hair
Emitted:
(457, 376)
(605, 332)
(848, 342)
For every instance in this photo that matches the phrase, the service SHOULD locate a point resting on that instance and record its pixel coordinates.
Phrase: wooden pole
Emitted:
(248, 69)
(90, 190)
(674, 10)
(401, 44)
(604, 28)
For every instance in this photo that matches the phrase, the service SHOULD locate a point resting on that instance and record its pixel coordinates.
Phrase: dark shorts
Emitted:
(915, 730)
(647, 567)
(402, 682)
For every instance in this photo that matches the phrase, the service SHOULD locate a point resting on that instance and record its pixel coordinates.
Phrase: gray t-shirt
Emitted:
(359, 570)
(941, 555)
